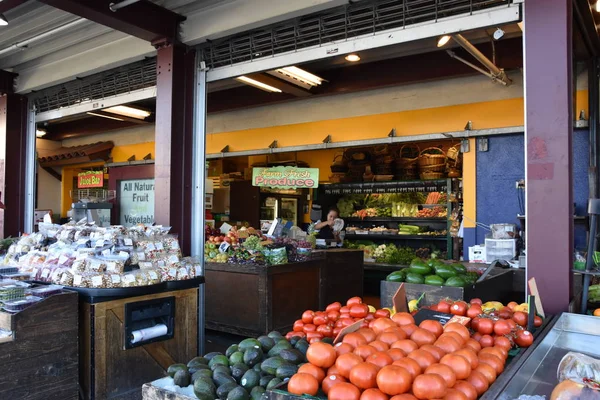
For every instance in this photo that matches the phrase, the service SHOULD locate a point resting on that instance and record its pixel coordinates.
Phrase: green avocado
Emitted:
(276, 336)
(270, 365)
(253, 356)
(238, 370)
(264, 380)
(221, 369)
(419, 266)
(280, 345)
(434, 280)
(197, 361)
(257, 393)
(221, 379)
(411, 277)
(209, 356)
(181, 378)
(459, 268)
(274, 382)
(286, 371)
(250, 380)
(236, 358)
(239, 393)
(248, 344)
(231, 349)
(292, 356)
(266, 343)
(204, 389)
(302, 346)
(224, 389)
(218, 360)
(197, 367)
(202, 373)
(172, 370)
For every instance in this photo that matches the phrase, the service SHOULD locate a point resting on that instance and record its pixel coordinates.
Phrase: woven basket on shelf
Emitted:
(339, 165)
(426, 175)
(431, 156)
(406, 162)
(433, 168)
(381, 150)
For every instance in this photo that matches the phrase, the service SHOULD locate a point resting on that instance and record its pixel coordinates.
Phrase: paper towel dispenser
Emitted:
(149, 321)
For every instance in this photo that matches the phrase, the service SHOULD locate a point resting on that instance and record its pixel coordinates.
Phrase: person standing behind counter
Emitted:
(325, 228)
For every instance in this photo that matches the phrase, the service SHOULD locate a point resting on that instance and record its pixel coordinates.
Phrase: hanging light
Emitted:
(443, 40)
(40, 133)
(3, 20)
(597, 6)
(104, 116)
(257, 84)
(127, 111)
(300, 75)
(352, 57)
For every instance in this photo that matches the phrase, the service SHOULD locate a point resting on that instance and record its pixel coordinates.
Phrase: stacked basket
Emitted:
(406, 162)
(339, 168)
(454, 161)
(384, 163)
(359, 160)
(432, 163)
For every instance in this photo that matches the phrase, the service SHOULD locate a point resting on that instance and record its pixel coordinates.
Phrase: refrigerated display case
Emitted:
(289, 210)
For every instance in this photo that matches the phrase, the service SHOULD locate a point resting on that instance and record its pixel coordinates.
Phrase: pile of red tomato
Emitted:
(328, 324)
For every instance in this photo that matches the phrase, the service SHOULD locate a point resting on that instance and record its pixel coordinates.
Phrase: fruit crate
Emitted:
(497, 287)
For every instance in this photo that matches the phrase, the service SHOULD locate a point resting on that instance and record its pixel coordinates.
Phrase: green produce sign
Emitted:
(286, 177)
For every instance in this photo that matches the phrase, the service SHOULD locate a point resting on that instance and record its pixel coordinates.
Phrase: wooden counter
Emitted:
(41, 360)
(341, 275)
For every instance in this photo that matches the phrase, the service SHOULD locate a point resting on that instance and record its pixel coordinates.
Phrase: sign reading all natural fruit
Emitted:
(286, 177)
(90, 179)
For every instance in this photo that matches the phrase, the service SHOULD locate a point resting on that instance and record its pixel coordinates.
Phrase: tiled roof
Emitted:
(75, 154)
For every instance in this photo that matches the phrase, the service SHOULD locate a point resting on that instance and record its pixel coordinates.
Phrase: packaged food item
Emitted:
(97, 281)
(46, 291)
(81, 279)
(128, 280)
(276, 256)
(11, 292)
(67, 278)
(183, 273)
(141, 278)
(153, 276)
(95, 265)
(168, 274)
(78, 265)
(113, 280)
(21, 304)
(579, 368)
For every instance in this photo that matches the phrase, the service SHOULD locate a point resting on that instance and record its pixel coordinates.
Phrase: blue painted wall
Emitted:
(499, 168)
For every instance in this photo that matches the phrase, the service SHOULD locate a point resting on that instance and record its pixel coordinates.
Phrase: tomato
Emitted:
(354, 300)
(432, 326)
(303, 384)
(288, 335)
(433, 307)
(458, 308)
(467, 389)
(355, 339)
(493, 361)
(460, 365)
(343, 391)
(474, 311)
(390, 338)
(503, 341)
(346, 362)
(447, 344)
(444, 306)
(370, 317)
(444, 371)
(477, 336)
(381, 313)
(436, 352)
(476, 301)
(330, 381)
(379, 345)
(396, 354)
(364, 376)
(381, 324)
(512, 323)
(475, 323)
(409, 329)
(458, 328)
(479, 382)
(459, 339)
(336, 331)
(313, 335)
(501, 328)
(511, 306)
(453, 394)
(345, 322)
(495, 351)
(298, 325)
(325, 330)
(320, 320)
(487, 371)
(422, 337)
(321, 355)
(524, 339)
(345, 310)
(333, 315)
(505, 313)
(365, 351)
(403, 318)
(393, 380)
(537, 321)
(359, 310)
(406, 345)
(485, 326)
(423, 358)
(473, 345)
(413, 368)
(429, 386)
(309, 328)
(380, 359)
(367, 334)
(334, 306)
(313, 370)
(307, 316)
(486, 341)
(470, 355)
(292, 334)
(332, 370)
(373, 394)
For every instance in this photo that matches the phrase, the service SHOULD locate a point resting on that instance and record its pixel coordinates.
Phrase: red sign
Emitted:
(90, 179)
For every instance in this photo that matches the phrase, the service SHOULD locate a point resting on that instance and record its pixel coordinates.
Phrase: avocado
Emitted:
(224, 389)
(176, 367)
(248, 344)
(286, 371)
(221, 369)
(181, 378)
(270, 365)
(434, 280)
(276, 336)
(253, 356)
(195, 368)
(204, 389)
(274, 382)
(250, 380)
(202, 373)
(218, 360)
(197, 361)
(328, 340)
(239, 393)
(302, 346)
(223, 378)
(231, 349)
(210, 356)
(266, 343)
(455, 281)
(292, 356)
(236, 357)
(257, 393)
(280, 345)
(445, 271)
(257, 367)
(293, 340)
(414, 278)
(264, 380)
(238, 370)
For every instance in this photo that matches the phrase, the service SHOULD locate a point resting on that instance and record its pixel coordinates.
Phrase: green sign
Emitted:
(286, 177)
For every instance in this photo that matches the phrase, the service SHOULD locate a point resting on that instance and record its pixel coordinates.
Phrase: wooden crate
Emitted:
(495, 288)
(341, 275)
(253, 300)
(41, 360)
(107, 370)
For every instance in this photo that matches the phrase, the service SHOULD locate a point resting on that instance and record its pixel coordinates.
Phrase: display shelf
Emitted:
(395, 237)
(438, 220)
(375, 266)
(438, 185)
(592, 273)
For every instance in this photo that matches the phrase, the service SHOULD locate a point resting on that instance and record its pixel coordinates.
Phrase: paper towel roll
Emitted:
(148, 333)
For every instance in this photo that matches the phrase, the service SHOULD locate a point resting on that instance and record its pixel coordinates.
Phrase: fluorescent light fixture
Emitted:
(40, 133)
(598, 6)
(3, 20)
(104, 116)
(257, 84)
(300, 75)
(443, 40)
(352, 57)
(127, 111)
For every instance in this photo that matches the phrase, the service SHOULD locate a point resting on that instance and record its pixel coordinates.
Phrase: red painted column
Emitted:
(548, 149)
(13, 134)
(174, 131)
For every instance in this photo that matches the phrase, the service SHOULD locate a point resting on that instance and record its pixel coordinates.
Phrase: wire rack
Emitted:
(93, 195)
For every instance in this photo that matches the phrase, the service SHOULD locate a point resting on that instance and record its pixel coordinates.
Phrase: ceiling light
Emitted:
(104, 116)
(40, 133)
(300, 75)
(598, 6)
(498, 34)
(443, 40)
(3, 20)
(257, 84)
(352, 57)
(128, 112)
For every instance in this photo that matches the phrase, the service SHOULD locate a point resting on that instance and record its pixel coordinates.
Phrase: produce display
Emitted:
(388, 204)
(435, 272)
(402, 230)
(85, 255)
(393, 358)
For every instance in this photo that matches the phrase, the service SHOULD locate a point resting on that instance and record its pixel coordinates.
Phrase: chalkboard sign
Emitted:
(424, 314)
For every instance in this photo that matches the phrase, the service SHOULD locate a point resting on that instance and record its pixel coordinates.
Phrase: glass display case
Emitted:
(537, 373)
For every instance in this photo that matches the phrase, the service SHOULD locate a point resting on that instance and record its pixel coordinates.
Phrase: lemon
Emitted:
(413, 305)
(372, 309)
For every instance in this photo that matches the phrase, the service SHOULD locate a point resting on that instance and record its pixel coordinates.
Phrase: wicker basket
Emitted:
(383, 178)
(339, 164)
(406, 162)
(428, 159)
(337, 177)
(381, 150)
(433, 168)
(426, 175)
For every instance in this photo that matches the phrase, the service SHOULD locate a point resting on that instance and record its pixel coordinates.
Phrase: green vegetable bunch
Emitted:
(253, 243)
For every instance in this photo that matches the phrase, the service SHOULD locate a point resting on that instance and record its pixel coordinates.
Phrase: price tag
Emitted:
(159, 246)
(111, 266)
(82, 241)
(100, 243)
(96, 281)
(106, 252)
(115, 279)
(123, 254)
(224, 247)
(128, 242)
(77, 280)
(349, 329)
(424, 314)
(150, 247)
(62, 260)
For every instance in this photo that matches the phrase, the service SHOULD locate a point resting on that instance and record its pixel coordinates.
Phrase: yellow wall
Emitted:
(139, 150)
(470, 185)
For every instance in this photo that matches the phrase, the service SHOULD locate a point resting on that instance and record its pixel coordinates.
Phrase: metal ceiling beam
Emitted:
(144, 20)
(584, 18)
(8, 5)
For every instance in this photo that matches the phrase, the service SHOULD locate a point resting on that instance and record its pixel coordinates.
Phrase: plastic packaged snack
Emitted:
(81, 280)
(11, 292)
(276, 256)
(67, 279)
(153, 276)
(168, 274)
(46, 291)
(579, 368)
(97, 281)
(128, 280)
(183, 273)
(21, 304)
(141, 278)
(113, 280)
(95, 265)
